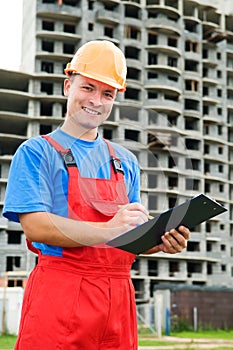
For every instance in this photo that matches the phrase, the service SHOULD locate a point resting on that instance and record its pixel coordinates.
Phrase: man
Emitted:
(73, 191)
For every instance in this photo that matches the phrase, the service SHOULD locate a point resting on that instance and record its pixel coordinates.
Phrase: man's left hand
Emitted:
(173, 241)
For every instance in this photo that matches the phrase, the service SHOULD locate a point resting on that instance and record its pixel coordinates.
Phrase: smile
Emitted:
(90, 111)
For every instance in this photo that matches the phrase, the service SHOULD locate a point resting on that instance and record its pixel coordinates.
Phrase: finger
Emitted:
(179, 238)
(137, 218)
(134, 207)
(171, 244)
(184, 231)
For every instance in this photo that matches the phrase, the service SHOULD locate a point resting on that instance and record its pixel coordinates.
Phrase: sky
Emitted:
(10, 33)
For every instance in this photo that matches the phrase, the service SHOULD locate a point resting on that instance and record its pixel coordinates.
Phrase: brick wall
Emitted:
(214, 307)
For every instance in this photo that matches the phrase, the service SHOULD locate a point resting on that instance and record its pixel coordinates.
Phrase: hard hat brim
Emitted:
(97, 77)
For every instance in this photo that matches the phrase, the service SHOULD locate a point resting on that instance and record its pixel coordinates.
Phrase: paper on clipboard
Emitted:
(189, 213)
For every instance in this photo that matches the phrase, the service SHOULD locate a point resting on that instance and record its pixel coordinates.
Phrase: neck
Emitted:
(79, 132)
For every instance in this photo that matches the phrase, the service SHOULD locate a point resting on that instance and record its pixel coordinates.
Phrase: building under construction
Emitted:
(176, 116)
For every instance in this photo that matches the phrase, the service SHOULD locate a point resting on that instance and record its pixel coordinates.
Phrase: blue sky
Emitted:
(10, 33)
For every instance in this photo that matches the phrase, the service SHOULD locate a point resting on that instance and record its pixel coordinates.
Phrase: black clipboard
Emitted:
(189, 213)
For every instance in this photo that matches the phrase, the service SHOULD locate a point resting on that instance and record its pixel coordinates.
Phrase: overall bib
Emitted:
(85, 299)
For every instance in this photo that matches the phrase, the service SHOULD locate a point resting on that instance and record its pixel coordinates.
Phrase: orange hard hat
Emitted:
(102, 61)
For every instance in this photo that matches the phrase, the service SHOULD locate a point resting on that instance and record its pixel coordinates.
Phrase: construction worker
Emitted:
(72, 191)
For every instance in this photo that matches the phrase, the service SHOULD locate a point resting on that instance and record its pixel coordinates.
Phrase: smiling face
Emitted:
(88, 106)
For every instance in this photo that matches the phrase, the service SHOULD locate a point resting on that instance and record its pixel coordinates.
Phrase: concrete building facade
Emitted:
(176, 116)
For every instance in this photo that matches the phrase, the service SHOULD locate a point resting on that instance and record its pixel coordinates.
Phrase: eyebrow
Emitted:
(92, 85)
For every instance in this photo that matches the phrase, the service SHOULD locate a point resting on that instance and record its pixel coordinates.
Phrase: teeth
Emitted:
(90, 111)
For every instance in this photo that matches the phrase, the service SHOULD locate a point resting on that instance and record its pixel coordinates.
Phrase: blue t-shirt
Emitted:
(38, 179)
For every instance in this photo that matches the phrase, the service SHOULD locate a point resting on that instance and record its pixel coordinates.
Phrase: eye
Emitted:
(109, 94)
(86, 88)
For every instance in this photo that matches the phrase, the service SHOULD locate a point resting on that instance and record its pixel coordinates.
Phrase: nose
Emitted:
(96, 98)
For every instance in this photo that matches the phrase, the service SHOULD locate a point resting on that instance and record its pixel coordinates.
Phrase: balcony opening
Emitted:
(171, 3)
(14, 237)
(190, 26)
(152, 38)
(206, 132)
(174, 268)
(90, 4)
(192, 184)
(191, 46)
(90, 26)
(152, 58)
(13, 262)
(152, 75)
(172, 120)
(45, 129)
(111, 6)
(191, 85)
(152, 181)
(132, 12)
(133, 73)
(172, 201)
(191, 124)
(47, 67)
(172, 78)
(135, 267)
(68, 49)
(70, 2)
(152, 202)
(171, 97)
(172, 182)
(153, 160)
(209, 268)
(152, 268)
(132, 52)
(193, 246)
(109, 31)
(172, 62)
(132, 94)
(132, 33)
(46, 88)
(69, 28)
(207, 187)
(48, 25)
(191, 104)
(152, 95)
(15, 283)
(46, 109)
(47, 46)
(191, 66)
(152, 14)
(108, 133)
(192, 163)
(139, 288)
(172, 162)
(193, 267)
(192, 144)
(132, 135)
(171, 41)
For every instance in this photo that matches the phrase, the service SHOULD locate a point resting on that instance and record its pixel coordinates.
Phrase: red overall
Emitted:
(83, 300)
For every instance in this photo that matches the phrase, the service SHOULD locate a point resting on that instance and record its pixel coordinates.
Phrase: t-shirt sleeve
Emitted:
(28, 188)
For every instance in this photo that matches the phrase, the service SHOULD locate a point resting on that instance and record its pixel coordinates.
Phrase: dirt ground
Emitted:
(187, 343)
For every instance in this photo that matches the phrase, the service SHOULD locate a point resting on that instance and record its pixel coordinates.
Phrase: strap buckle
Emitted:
(117, 166)
(68, 158)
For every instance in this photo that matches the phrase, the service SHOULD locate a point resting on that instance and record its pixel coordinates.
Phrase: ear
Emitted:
(66, 87)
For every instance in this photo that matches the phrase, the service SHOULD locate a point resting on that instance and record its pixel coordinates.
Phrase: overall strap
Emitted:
(66, 154)
(68, 158)
(115, 161)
